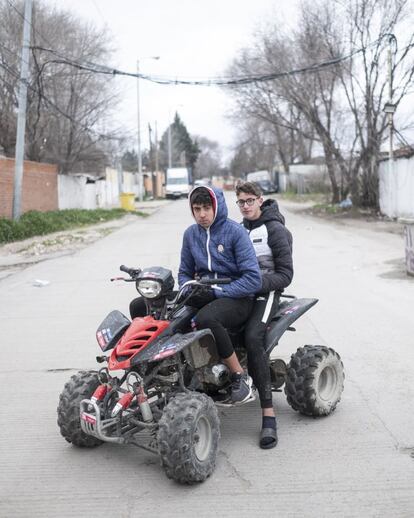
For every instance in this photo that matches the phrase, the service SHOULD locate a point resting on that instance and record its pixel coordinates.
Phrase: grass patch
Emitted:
(326, 208)
(34, 223)
(314, 197)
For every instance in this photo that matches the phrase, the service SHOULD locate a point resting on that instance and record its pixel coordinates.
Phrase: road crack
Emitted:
(245, 482)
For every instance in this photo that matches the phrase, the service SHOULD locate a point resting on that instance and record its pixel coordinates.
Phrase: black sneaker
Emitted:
(241, 387)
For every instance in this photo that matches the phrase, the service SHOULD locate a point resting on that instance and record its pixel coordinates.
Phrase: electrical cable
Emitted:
(24, 19)
(99, 11)
(53, 105)
(218, 81)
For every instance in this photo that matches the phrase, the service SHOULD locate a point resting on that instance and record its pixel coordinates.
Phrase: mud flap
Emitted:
(169, 345)
(287, 314)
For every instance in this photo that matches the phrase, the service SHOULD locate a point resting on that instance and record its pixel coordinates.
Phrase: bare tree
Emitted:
(68, 109)
(339, 107)
(365, 82)
(297, 104)
(209, 160)
(262, 112)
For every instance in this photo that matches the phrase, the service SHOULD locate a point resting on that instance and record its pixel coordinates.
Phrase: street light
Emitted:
(140, 186)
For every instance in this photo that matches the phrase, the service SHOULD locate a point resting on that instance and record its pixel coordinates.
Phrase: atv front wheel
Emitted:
(80, 386)
(188, 436)
(315, 380)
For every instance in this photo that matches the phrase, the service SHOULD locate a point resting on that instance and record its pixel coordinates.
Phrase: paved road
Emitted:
(356, 463)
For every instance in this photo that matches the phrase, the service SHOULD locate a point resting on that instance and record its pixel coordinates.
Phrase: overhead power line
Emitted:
(46, 99)
(217, 81)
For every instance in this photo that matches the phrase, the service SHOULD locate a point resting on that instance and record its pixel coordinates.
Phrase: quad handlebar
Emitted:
(203, 281)
(186, 290)
(211, 282)
(133, 272)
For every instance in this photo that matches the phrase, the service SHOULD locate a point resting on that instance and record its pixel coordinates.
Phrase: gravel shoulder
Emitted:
(357, 219)
(21, 254)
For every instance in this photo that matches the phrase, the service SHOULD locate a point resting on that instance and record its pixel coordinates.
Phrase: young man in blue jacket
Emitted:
(273, 245)
(219, 247)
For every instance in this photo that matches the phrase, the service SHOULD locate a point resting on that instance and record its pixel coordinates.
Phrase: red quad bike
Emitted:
(163, 379)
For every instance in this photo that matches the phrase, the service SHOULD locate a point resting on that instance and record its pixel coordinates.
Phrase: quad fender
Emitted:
(165, 346)
(287, 313)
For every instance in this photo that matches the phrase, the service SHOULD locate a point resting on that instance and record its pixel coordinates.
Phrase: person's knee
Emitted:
(204, 320)
(208, 316)
(137, 308)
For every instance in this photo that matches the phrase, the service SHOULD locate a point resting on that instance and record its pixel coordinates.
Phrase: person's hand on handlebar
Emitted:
(202, 296)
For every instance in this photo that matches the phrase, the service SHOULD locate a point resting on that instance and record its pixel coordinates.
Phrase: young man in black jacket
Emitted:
(272, 242)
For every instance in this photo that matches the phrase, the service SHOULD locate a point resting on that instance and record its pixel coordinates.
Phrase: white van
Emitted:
(177, 182)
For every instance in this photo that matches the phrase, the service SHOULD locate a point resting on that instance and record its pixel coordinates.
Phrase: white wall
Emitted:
(396, 188)
(75, 193)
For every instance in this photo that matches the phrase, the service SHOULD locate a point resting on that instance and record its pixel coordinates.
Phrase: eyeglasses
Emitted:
(249, 202)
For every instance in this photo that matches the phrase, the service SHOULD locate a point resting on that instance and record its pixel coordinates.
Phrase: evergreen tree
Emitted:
(184, 150)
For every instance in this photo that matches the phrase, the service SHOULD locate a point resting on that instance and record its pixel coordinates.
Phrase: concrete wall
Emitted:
(39, 187)
(86, 192)
(76, 193)
(396, 188)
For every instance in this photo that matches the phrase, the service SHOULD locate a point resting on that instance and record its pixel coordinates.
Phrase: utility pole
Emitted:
(391, 106)
(21, 117)
(151, 159)
(140, 179)
(156, 148)
(140, 189)
(169, 144)
(120, 175)
(156, 160)
(389, 109)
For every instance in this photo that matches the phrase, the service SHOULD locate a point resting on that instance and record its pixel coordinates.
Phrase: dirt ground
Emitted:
(355, 217)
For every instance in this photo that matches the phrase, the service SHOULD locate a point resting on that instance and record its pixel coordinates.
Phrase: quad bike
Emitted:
(163, 380)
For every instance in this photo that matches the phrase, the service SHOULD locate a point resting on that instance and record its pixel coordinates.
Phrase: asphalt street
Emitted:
(358, 462)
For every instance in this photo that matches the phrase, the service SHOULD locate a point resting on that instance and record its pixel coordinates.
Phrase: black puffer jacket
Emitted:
(272, 242)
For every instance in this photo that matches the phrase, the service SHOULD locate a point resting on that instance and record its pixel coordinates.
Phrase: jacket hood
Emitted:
(270, 212)
(219, 203)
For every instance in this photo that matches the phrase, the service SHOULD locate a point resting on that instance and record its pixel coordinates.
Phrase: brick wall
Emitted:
(39, 190)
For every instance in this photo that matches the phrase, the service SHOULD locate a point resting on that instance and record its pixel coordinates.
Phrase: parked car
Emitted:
(267, 186)
(264, 180)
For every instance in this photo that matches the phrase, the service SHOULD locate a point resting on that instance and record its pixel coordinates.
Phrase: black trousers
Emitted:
(254, 337)
(138, 308)
(224, 313)
(217, 315)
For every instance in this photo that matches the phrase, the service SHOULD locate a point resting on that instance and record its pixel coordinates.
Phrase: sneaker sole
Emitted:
(229, 404)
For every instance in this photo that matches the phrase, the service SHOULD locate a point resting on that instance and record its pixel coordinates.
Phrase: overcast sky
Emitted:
(194, 39)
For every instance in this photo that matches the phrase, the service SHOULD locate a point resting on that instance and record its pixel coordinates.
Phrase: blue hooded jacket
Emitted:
(222, 250)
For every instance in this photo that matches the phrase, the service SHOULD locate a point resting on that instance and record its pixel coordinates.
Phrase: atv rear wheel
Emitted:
(315, 380)
(188, 436)
(80, 386)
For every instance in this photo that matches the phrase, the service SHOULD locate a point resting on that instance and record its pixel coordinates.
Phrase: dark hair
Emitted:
(201, 196)
(248, 188)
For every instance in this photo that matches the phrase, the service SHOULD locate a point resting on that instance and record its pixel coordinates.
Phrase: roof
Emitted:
(402, 152)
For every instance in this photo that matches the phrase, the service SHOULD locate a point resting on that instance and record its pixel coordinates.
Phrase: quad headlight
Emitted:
(149, 289)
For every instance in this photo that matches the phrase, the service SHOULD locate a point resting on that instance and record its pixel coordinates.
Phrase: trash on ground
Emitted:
(39, 283)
